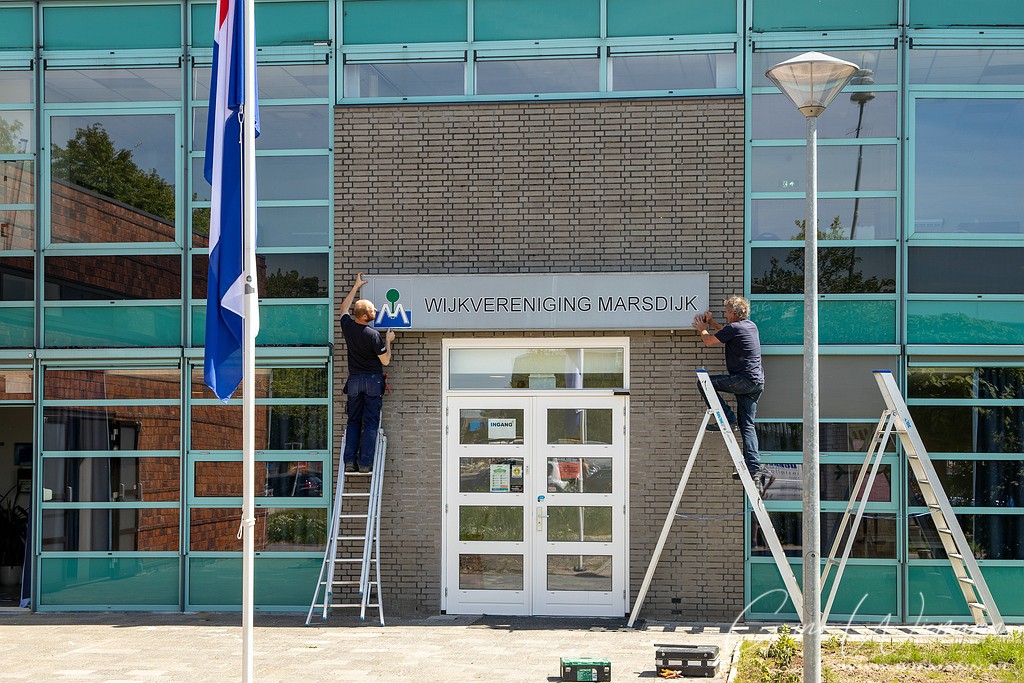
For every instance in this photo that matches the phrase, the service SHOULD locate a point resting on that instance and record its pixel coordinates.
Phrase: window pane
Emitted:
(579, 475)
(17, 231)
(673, 72)
(841, 270)
(944, 322)
(413, 79)
(289, 479)
(117, 530)
(287, 82)
(97, 278)
(16, 277)
(834, 437)
(112, 27)
(281, 127)
(975, 483)
(296, 276)
(277, 529)
(859, 398)
(121, 480)
(16, 130)
(968, 166)
(293, 178)
(17, 87)
(579, 523)
(579, 426)
(129, 159)
(491, 475)
(941, 270)
(219, 427)
(876, 535)
(836, 482)
(536, 19)
(491, 572)
(490, 523)
(404, 21)
(783, 169)
(16, 30)
(669, 17)
(991, 537)
(987, 383)
(882, 63)
(536, 368)
(579, 573)
(293, 226)
(112, 85)
(967, 67)
(17, 184)
(850, 116)
(529, 76)
(970, 429)
(801, 15)
(490, 425)
(865, 218)
(15, 385)
(112, 428)
(275, 383)
(113, 383)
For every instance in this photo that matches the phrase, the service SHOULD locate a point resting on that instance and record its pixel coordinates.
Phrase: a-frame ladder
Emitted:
(897, 418)
(350, 573)
(749, 488)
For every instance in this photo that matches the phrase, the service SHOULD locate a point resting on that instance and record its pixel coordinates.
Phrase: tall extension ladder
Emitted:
(345, 577)
(715, 411)
(965, 566)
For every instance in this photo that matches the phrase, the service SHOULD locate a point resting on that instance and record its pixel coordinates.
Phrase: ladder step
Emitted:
(352, 516)
(933, 506)
(924, 482)
(355, 495)
(943, 530)
(955, 556)
(977, 605)
(351, 538)
(346, 583)
(966, 579)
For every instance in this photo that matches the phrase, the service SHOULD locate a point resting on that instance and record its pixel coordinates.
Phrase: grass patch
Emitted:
(991, 659)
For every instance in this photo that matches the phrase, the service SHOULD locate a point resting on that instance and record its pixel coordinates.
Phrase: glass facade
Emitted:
(104, 222)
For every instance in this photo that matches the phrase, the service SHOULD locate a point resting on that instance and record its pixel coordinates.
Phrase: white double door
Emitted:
(535, 505)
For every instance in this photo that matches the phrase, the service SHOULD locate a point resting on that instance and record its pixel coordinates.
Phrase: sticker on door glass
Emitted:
(500, 476)
(501, 430)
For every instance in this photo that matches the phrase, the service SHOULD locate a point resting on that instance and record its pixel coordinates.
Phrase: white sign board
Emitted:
(501, 430)
(559, 301)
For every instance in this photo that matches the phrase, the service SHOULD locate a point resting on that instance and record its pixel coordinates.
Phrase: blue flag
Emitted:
(223, 170)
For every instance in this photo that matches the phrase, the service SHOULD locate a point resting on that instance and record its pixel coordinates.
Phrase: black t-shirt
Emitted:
(364, 345)
(742, 350)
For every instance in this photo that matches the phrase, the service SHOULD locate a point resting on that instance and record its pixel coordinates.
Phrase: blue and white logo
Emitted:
(393, 314)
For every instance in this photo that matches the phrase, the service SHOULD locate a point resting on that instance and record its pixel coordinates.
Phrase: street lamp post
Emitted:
(811, 81)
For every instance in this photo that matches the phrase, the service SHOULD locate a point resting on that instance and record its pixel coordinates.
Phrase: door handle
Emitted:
(541, 516)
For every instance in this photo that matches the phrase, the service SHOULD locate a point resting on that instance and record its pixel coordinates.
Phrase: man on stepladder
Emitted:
(745, 378)
(367, 356)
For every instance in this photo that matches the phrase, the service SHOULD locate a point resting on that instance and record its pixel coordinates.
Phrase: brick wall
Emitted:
(618, 186)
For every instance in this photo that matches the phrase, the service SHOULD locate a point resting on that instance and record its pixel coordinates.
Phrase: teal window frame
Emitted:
(283, 358)
(316, 308)
(167, 360)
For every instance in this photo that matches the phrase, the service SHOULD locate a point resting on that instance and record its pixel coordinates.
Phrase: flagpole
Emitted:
(250, 327)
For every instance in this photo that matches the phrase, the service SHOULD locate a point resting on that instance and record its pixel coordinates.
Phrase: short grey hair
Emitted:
(739, 306)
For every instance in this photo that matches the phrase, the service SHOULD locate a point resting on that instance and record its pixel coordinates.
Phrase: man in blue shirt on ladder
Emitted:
(367, 356)
(745, 378)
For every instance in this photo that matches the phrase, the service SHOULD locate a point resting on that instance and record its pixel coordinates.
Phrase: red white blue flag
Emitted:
(224, 171)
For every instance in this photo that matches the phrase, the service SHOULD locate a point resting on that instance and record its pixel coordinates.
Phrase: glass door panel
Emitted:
(579, 551)
(486, 513)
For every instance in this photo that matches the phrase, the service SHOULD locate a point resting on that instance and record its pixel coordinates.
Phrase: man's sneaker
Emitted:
(764, 479)
(365, 469)
(350, 467)
(713, 426)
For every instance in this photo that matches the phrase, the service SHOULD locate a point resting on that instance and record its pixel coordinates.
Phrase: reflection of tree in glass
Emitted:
(836, 272)
(91, 161)
(291, 284)
(10, 137)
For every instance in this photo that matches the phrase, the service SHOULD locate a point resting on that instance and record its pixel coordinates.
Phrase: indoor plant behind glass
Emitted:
(13, 525)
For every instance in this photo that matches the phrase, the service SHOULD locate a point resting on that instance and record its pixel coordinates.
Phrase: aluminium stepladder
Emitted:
(715, 412)
(350, 574)
(897, 418)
